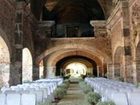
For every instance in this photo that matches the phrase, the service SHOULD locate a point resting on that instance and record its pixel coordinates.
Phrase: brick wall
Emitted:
(7, 18)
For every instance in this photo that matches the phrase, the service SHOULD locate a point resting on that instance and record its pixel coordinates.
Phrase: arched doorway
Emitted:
(27, 65)
(138, 62)
(76, 66)
(4, 63)
(76, 69)
(118, 63)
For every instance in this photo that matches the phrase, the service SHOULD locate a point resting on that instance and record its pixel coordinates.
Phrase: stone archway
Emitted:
(4, 63)
(138, 62)
(27, 65)
(118, 63)
(76, 69)
(74, 47)
(57, 56)
(53, 54)
(62, 64)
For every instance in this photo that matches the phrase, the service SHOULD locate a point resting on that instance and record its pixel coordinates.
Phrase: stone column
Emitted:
(51, 71)
(35, 71)
(16, 65)
(127, 41)
(110, 71)
(44, 72)
(134, 72)
(98, 71)
(135, 12)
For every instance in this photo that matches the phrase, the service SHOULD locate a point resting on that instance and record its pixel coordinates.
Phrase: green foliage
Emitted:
(86, 88)
(81, 83)
(61, 90)
(93, 98)
(59, 93)
(81, 79)
(64, 85)
(137, 85)
(66, 82)
(47, 102)
(106, 103)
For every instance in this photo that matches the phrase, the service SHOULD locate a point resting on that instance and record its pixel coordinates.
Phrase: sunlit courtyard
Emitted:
(76, 69)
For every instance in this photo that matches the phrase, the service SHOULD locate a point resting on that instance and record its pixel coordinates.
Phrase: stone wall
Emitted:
(17, 24)
(134, 8)
(124, 28)
(29, 25)
(116, 26)
(96, 43)
(7, 20)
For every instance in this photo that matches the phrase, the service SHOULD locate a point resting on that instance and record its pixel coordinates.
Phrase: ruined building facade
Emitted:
(31, 42)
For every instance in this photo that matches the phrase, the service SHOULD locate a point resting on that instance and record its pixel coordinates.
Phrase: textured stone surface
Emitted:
(122, 29)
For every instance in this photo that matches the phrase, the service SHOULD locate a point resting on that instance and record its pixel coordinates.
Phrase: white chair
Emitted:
(3, 89)
(2, 99)
(119, 98)
(13, 99)
(28, 99)
(134, 98)
(39, 95)
(45, 93)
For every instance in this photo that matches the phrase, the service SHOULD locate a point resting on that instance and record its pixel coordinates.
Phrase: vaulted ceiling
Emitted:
(37, 5)
(72, 11)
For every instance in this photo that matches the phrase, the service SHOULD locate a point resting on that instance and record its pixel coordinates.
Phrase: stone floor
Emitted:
(74, 96)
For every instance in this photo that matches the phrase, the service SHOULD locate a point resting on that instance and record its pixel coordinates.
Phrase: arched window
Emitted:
(27, 65)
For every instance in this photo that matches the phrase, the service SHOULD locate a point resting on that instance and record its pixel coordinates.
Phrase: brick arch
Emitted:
(85, 62)
(4, 60)
(118, 62)
(91, 67)
(7, 42)
(75, 47)
(55, 57)
(106, 5)
(138, 62)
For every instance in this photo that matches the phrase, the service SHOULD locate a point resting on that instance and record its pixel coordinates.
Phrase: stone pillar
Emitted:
(16, 65)
(117, 70)
(134, 72)
(135, 12)
(99, 28)
(127, 41)
(51, 71)
(44, 72)
(110, 71)
(98, 71)
(35, 71)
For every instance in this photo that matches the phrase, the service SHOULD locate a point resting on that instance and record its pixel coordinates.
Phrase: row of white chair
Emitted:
(120, 92)
(29, 93)
(17, 99)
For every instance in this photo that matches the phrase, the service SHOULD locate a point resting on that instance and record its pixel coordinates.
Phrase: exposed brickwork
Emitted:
(123, 27)
(7, 18)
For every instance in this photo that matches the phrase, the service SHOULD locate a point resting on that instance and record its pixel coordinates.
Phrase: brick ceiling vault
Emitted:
(55, 57)
(106, 6)
(36, 6)
(94, 51)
